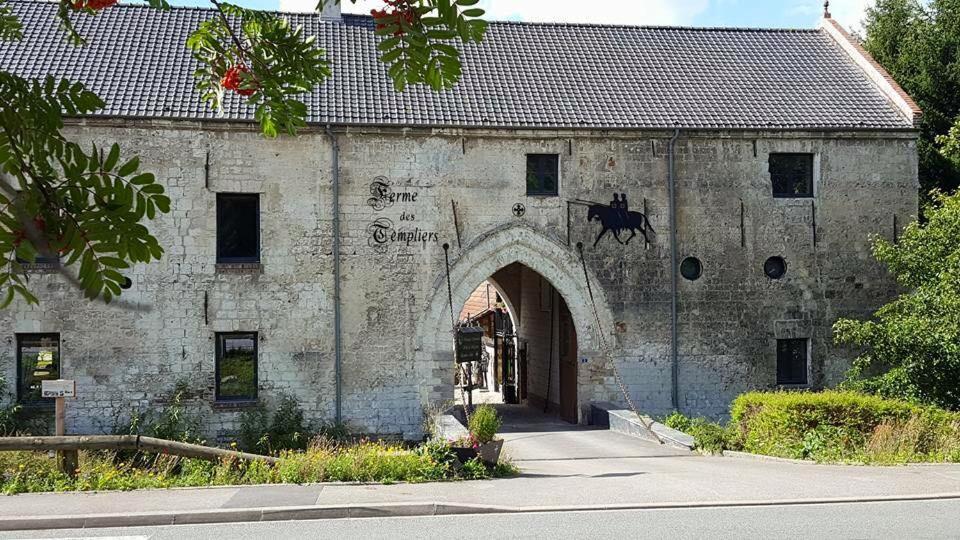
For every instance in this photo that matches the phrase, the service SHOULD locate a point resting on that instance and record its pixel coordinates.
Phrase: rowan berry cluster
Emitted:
(95, 5)
(234, 78)
(394, 12)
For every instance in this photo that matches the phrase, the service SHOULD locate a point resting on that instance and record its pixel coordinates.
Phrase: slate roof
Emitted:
(523, 75)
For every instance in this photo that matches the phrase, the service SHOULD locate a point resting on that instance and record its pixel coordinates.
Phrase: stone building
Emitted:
(692, 207)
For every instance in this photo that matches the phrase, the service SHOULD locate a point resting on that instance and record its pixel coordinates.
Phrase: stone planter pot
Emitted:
(490, 453)
(464, 454)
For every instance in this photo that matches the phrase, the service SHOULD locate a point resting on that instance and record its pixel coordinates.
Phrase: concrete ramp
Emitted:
(625, 421)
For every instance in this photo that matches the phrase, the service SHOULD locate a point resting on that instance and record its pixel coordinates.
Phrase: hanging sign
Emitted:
(59, 388)
(469, 344)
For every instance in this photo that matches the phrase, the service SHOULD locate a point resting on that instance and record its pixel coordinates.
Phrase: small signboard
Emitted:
(60, 388)
(469, 344)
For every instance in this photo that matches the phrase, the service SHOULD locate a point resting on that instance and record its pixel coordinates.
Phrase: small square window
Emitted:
(792, 357)
(236, 369)
(238, 228)
(791, 175)
(543, 174)
(38, 360)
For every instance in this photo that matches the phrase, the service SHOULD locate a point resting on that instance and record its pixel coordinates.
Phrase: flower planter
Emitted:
(490, 453)
(464, 454)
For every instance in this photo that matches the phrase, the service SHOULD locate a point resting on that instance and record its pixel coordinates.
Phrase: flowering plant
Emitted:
(467, 441)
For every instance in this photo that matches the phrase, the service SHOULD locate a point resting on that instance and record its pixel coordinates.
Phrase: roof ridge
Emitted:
(492, 22)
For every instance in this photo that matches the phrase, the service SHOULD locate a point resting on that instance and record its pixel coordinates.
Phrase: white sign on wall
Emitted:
(58, 388)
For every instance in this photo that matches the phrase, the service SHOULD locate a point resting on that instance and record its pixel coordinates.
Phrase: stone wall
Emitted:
(462, 189)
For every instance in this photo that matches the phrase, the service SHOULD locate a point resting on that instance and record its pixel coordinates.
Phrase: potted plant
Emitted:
(484, 425)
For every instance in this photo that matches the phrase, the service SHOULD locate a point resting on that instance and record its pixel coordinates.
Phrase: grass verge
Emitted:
(323, 461)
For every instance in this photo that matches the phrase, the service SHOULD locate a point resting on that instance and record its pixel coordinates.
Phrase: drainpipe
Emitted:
(337, 342)
(674, 278)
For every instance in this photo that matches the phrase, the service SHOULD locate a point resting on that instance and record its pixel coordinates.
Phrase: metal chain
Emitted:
(453, 324)
(608, 355)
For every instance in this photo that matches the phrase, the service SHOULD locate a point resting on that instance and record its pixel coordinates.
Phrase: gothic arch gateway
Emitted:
(559, 264)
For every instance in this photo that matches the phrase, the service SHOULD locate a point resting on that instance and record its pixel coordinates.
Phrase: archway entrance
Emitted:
(587, 320)
(530, 342)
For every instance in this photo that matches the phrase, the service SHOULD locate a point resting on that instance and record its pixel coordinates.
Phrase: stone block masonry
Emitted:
(397, 346)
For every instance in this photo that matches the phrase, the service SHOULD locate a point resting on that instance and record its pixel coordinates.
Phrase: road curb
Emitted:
(414, 509)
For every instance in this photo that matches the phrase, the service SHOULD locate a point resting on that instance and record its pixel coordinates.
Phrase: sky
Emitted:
(739, 13)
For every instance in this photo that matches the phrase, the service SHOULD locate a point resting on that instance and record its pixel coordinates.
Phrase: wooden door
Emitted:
(568, 367)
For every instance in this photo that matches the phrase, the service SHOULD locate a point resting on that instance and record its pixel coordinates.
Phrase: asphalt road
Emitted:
(886, 520)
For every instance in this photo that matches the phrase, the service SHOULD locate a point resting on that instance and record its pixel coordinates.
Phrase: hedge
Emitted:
(843, 426)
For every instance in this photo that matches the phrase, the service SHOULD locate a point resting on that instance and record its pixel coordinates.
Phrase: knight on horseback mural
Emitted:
(617, 217)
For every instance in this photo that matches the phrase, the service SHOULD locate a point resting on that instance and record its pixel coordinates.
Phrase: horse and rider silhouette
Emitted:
(617, 217)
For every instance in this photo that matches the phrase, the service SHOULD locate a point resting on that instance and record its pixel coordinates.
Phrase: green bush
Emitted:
(9, 411)
(286, 429)
(484, 423)
(910, 349)
(842, 426)
(708, 436)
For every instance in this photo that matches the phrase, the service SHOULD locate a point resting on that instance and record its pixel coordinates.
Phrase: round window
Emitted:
(126, 283)
(691, 268)
(775, 267)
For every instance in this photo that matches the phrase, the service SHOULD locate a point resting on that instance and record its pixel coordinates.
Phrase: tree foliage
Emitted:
(911, 348)
(88, 206)
(918, 42)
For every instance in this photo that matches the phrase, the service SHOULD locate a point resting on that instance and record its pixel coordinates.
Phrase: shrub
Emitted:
(287, 429)
(678, 421)
(175, 422)
(254, 423)
(911, 347)
(284, 430)
(842, 426)
(484, 423)
(474, 469)
(708, 436)
(9, 411)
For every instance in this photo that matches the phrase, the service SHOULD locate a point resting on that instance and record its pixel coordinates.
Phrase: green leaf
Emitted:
(129, 167)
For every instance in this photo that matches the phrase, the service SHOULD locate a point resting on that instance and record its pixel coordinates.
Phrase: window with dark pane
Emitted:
(38, 360)
(792, 361)
(236, 369)
(543, 174)
(791, 175)
(238, 228)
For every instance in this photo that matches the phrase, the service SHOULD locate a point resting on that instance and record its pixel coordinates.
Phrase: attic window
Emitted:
(238, 228)
(543, 174)
(791, 175)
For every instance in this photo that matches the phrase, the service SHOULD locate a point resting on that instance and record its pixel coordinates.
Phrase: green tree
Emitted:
(918, 42)
(911, 348)
(90, 206)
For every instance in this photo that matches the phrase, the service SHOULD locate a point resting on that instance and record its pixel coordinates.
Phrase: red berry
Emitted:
(236, 76)
(95, 5)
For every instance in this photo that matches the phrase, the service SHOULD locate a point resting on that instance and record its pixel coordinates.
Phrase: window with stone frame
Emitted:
(38, 360)
(543, 175)
(792, 361)
(791, 175)
(236, 366)
(238, 228)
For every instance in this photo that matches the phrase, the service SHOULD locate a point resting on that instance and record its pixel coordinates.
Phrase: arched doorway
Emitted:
(578, 315)
(530, 344)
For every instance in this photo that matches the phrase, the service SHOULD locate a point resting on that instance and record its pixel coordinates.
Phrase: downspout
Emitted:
(674, 278)
(337, 342)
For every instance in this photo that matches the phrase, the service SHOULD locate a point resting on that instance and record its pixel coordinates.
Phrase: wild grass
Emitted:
(323, 461)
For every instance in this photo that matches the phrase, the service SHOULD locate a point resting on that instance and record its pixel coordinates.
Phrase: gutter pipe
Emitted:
(337, 340)
(674, 278)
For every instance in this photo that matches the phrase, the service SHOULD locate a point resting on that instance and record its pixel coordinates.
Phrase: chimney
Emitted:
(331, 8)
